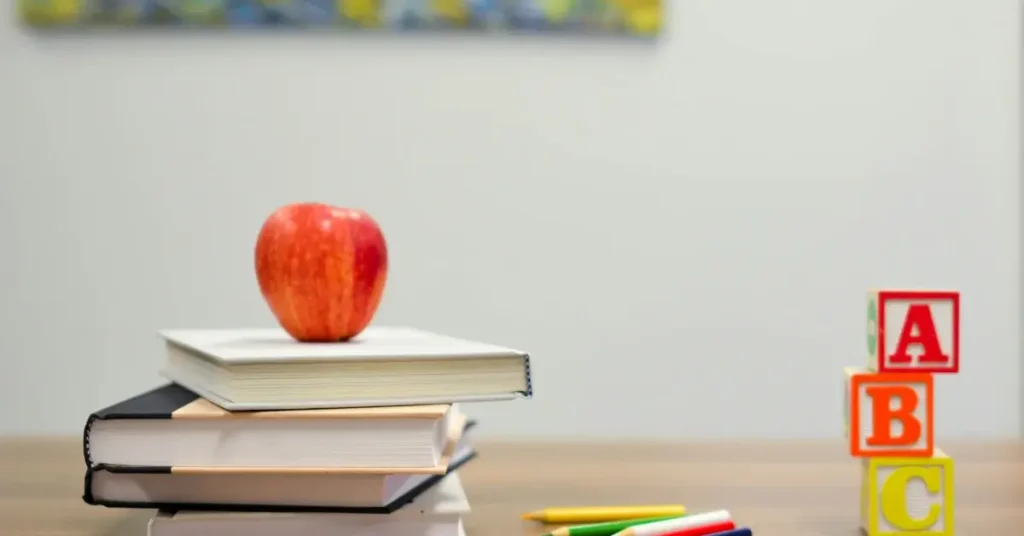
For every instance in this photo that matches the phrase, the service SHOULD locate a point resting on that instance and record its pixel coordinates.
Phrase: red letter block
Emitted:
(914, 331)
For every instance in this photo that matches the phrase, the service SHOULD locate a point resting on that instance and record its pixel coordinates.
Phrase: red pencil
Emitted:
(706, 530)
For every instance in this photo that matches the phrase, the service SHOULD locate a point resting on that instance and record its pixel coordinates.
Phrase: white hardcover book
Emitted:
(435, 513)
(265, 369)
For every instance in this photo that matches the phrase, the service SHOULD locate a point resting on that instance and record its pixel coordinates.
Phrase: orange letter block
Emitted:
(892, 415)
(914, 331)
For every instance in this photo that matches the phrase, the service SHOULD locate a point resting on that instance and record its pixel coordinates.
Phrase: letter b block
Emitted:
(892, 415)
(908, 496)
(914, 331)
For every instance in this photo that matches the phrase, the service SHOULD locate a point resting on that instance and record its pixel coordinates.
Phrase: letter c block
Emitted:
(908, 496)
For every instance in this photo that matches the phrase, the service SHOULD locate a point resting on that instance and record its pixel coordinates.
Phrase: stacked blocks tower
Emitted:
(906, 482)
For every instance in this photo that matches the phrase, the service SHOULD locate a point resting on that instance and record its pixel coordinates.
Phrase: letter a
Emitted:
(919, 316)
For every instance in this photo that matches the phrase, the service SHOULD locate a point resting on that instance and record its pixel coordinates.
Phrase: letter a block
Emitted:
(907, 496)
(914, 331)
(892, 415)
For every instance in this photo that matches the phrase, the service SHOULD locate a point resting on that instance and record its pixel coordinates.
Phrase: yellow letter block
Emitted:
(907, 496)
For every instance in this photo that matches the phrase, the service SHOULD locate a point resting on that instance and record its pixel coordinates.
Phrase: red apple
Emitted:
(321, 269)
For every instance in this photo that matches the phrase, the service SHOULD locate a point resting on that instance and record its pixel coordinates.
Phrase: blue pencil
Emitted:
(735, 532)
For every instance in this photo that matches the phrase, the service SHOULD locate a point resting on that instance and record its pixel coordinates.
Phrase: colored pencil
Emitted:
(745, 531)
(659, 528)
(604, 529)
(599, 514)
(711, 529)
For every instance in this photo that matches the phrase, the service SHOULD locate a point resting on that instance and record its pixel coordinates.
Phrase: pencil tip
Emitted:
(530, 516)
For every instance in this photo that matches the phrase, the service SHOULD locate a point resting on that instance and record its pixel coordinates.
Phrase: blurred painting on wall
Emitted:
(613, 17)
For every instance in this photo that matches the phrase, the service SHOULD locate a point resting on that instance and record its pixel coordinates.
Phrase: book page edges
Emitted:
(446, 498)
(455, 430)
(204, 409)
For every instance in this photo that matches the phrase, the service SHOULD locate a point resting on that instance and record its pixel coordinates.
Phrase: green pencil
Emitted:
(605, 529)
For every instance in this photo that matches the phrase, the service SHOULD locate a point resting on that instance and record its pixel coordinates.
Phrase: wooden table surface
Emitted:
(778, 489)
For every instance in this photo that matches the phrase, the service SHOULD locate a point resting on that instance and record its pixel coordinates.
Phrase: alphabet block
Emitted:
(850, 372)
(892, 415)
(908, 496)
(914, 331)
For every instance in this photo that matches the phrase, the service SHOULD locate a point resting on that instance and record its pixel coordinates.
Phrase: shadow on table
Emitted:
(132, 524)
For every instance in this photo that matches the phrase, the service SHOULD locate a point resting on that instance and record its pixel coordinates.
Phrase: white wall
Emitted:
(682, 234)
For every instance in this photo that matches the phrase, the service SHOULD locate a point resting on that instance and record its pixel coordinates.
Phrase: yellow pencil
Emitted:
(598, 514)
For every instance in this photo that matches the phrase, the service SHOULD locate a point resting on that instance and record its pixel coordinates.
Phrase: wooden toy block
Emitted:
(849, 373)
(914, 331)
(907, 496)
(892, 414)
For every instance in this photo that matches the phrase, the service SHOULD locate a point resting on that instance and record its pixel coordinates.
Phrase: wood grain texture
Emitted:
(779, 489)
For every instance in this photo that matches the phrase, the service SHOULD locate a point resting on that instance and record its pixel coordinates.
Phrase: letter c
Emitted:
(894, 497)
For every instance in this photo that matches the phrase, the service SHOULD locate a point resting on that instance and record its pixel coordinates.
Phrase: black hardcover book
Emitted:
(158, 488)
(171, 450)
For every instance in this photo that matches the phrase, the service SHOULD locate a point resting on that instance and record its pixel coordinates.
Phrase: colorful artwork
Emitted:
(627, 17)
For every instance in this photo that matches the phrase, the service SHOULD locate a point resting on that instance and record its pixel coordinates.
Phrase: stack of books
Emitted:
(259, 434)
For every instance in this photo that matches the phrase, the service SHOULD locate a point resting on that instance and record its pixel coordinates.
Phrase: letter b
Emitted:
(891, 415)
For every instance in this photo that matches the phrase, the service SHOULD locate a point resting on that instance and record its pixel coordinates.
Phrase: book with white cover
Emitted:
(266, 369)
(435, 513)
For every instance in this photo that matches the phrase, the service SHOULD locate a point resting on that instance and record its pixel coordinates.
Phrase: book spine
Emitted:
(529, 377)
(86, 436)
(90, 474)
(87, 495)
